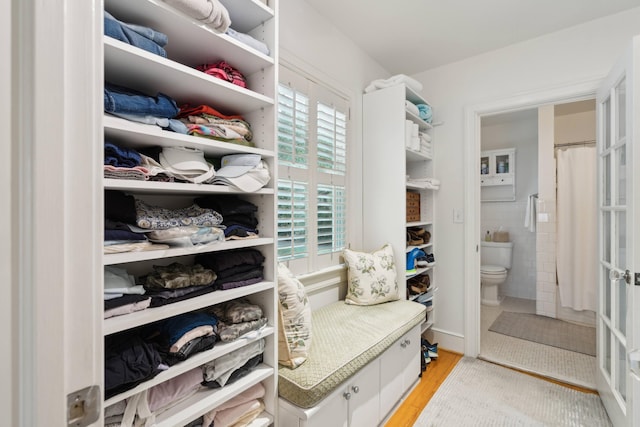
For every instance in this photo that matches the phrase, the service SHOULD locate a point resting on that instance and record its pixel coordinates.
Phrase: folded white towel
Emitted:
(392, 81)
(530, 214)
(411, 107)
(408, 133)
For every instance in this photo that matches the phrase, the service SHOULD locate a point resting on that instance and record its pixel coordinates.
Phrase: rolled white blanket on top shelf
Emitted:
(210, 12)
(392, 81)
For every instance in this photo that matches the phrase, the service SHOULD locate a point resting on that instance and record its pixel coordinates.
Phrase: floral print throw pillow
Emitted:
(371, 276)
(294, 317)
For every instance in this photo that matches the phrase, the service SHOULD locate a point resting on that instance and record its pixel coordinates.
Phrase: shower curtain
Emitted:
(577, 227)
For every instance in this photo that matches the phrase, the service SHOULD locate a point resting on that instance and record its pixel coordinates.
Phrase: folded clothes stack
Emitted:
(222, 70)
(238, 216)
(206, 121)
(136, 35)
(425, 144)
(133, 225)
(236, 268)
(134, 105)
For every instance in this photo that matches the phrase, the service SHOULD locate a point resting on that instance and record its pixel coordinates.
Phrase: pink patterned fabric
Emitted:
(224, 71)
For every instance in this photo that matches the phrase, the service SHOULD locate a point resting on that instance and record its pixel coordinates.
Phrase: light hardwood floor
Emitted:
(437, 371)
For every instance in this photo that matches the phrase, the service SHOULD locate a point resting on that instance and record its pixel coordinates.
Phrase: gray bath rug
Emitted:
(547, 331)
(478, 393)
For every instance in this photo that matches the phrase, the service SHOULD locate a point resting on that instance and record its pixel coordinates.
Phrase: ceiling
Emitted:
(410, 36)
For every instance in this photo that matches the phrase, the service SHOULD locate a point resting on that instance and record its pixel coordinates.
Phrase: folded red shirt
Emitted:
(224, 71)
(195, 110)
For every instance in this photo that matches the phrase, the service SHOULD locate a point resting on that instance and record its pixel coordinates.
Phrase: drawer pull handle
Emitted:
(355, 388)
(346, 395)
(403, 344)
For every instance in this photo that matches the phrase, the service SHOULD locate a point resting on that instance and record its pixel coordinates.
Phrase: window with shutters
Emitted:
(312, 163)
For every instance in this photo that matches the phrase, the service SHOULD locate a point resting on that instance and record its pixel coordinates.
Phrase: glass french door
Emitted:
(618, 324)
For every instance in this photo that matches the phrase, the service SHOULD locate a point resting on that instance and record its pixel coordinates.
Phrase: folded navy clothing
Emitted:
(249, 221)
(227, 205)
(135, 35)
(123, 235)
(120, 157)
(233, 271)
(218, 261)
(119, 207)
(192, 347)
(175, 327)
(118, 99)
(255, 272)
(129, 360)
(238, 230)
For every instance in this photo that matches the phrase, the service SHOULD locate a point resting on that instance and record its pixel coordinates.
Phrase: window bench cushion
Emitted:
(345, 338)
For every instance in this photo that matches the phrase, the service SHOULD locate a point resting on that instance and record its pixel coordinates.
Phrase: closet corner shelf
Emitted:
(419, 271)
(128, 66)
(149, 315)
(425, 326)
(155, 187)
(417, 119)
(247, 14)
(416, 156)
(219, 349)
(422, 246)
(413, 96)
(418, 187)
(419, 223)
(205, 400)
(140, 135)
(127, 257)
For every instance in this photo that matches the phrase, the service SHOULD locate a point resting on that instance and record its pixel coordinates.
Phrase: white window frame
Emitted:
(316, 91)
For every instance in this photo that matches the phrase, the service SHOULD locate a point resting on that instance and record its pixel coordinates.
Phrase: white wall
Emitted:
(559, 59)
(520, 133)
(313, 44)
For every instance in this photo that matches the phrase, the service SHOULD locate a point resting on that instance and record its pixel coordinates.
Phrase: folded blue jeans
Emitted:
(135, 35)
(118, 99)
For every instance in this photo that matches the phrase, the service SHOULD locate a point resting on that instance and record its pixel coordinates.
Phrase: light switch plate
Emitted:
(458, 216)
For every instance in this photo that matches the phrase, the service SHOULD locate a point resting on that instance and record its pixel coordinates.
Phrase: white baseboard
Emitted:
(447, 340)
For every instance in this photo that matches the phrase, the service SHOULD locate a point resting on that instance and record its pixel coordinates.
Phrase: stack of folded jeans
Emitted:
(136, 106)
(136, 35)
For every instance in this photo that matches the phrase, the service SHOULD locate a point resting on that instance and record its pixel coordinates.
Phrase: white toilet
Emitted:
(495, 260)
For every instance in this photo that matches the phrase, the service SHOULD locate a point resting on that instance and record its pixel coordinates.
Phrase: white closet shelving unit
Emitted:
(190, 44)
(387, 163)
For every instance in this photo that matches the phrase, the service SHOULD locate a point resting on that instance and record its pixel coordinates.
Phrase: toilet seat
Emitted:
(491, 270)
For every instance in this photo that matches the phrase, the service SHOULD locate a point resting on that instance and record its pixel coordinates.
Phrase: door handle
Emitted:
(615, 274)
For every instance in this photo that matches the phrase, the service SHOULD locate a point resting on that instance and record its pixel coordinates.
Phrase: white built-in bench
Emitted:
(362, 361)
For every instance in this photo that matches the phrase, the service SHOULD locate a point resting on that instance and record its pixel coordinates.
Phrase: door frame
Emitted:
(472, 114)
(55, 208)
